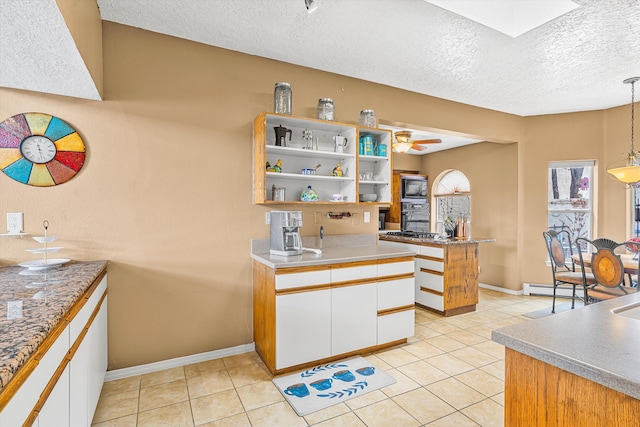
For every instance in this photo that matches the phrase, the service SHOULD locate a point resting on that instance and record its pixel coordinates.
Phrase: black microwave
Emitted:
(414, 188)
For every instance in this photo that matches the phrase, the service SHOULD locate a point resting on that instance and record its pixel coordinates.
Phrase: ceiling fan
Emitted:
(404, 143)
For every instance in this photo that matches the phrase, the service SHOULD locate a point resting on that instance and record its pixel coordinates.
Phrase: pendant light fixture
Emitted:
(628, 169)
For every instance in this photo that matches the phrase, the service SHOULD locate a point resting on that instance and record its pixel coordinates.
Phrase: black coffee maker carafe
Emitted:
(281, 135)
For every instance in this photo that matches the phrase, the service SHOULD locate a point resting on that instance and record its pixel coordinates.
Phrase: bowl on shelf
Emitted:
(308, 171)
(369, 197)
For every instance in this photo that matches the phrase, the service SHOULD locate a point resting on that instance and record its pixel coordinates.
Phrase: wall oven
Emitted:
(415, 217)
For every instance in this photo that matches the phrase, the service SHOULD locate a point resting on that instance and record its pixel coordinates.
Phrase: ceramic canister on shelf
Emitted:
(325, 109)
(282, 98)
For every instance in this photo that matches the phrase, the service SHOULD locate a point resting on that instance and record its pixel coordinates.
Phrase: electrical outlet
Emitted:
(15, 223)
(367, 217)
(14, 309)
(267, 218)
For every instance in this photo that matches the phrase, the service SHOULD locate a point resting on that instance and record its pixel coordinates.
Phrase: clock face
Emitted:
(40, 150)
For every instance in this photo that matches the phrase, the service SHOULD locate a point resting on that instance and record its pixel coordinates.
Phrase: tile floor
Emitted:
(449, 374)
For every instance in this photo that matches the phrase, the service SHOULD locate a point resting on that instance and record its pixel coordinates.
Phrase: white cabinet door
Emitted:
(353, 320)
(303, 327)
(396, 293)
(55, 412)
(98, 361)
(396, 326)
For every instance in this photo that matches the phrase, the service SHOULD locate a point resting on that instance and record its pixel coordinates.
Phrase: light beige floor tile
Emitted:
(455, 393)
(422, 349)
(397, 357)
(481, 381)
(347, 420)
(214, 382)
(328, 413)
(450, 364)
(240, 420)
(128, 421)
(384, 414)
(498, 398)
(259, 394)
(241, 359)
(474, 357)
(203, 368)
(164, 394)
(216, 406)
(121, 385)
(402, 385)
(278, 414)
(445, 343)
(482, 330)
(423, 332)
(249, 374)
(377, 362)
(466, 337)
(497, 369)
(456, 419)
(164, 376)
(486, 413)
(491, 348)
(366, 399)
(443, 327)
(423, 405)
(116, 405)
(423, 373)
(175, 415)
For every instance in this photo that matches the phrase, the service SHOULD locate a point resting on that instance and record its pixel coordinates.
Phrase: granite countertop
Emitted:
(418, 241)
(335, 249)
(28, 311)
(592, 342)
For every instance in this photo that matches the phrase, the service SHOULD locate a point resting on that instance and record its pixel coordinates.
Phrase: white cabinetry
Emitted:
(55, 412)
(303, 315)
(303, 327)
(295, 156)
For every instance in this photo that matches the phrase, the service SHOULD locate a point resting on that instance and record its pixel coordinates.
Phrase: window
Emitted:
(635, 213)
(570, 198)
(453, 200)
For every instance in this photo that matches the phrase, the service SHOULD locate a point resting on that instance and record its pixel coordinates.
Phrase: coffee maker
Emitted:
(285, 234)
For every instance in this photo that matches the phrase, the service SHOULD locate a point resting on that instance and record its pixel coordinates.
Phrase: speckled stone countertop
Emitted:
(592, 342)
(335, 249)
(28, 311)
(420, 241)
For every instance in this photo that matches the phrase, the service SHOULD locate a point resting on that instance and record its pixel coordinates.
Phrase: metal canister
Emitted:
(325, 109)
(368, 119)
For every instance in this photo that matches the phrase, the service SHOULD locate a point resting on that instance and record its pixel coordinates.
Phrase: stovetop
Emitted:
(412, 235)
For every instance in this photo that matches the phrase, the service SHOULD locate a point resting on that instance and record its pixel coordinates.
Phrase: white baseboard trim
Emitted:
(499, 289)
(177, 362)
(539, 289)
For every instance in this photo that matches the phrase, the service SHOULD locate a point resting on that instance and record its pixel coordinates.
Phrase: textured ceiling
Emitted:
(575, 62)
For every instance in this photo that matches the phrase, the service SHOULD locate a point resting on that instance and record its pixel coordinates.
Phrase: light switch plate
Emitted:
(267, 218)
(15, 223)
(367, 217)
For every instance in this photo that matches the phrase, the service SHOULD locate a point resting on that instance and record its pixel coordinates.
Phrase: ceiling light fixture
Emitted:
(402, 147)
(311, 5)
(628, 169)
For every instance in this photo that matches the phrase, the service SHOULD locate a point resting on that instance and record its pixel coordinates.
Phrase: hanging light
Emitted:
(311, 5)
(628, 169)
(403, 142)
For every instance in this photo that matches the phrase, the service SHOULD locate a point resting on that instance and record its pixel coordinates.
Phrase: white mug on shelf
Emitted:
(340, 143)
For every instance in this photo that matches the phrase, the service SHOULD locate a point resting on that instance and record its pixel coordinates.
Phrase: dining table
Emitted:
(629, 261)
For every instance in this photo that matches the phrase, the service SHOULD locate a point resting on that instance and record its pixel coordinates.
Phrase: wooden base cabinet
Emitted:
(309, 315)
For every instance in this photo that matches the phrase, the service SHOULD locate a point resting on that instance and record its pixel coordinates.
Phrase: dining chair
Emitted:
(633, 246)
(564, 274)
(607, 269)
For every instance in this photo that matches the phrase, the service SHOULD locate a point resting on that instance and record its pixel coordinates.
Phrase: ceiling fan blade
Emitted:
(428, 141)
(418, 148)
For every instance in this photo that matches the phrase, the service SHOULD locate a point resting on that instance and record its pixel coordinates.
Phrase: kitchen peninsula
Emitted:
(53, 350)
(353, 298)
(574, 368)
(446, 271)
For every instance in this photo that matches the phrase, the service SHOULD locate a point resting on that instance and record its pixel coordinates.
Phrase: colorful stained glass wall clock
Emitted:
(40, 150)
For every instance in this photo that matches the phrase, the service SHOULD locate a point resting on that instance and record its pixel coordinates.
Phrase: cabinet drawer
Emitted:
(307, 278)
(80, 321)
(396, 268)
(432, 251)
(430, 264)
(430, 300)
(395, 293)
(430, 281)
(396, 326)
(354, 273)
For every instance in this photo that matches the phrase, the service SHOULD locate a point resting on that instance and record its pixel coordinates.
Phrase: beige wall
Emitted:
(165, 193)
